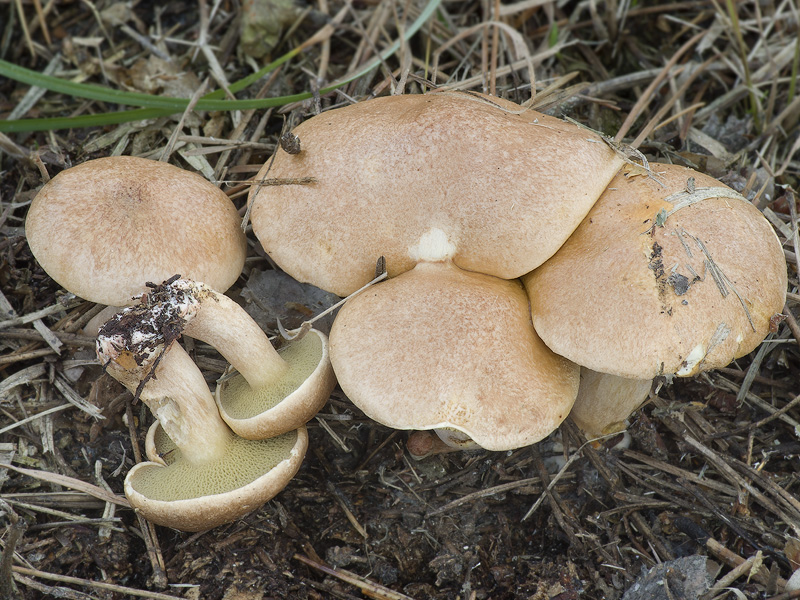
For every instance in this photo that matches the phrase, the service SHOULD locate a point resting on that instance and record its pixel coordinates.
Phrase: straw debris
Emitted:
(710, 471)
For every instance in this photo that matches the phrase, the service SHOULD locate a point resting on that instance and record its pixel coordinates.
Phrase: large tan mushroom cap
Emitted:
(194, 498)
(506, 185)
(103, 228)
(441, 347)
(659, 279)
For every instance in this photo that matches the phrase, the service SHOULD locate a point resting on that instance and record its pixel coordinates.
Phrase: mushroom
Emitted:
(671, 272)
(422, 444)
(387, 177)
(123, 221)
(200, 475)
(506, 185)
(793, 583)
(195, 498)
(440, 347)
(675, 275)
(273, 392)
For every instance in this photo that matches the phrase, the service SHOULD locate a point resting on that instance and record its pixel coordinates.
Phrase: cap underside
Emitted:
(286, 404)
(245, 461)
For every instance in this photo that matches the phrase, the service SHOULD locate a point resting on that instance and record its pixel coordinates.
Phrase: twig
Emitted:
(44, 413)
(30, 317)
(791, 323)
(344, 503)
(702, 538)
(14, 534)
(100, 585)
(491, 491)
(647, 94)
(70, 482)
(367, 587)
(745, 428)
(179, 127)
(69, 339)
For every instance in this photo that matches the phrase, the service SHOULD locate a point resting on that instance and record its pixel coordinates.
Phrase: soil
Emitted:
(709, 468)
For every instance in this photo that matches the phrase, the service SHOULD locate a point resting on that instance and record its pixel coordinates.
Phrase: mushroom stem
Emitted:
(217, 320)
(175, 391)
(606, 401)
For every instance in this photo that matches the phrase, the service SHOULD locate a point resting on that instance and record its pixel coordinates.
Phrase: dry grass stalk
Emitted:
(691, 82)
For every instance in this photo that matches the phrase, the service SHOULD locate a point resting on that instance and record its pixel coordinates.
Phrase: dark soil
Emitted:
(712, 468)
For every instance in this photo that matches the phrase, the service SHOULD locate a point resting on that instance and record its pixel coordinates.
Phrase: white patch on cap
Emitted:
(697, 354)
(432, 246)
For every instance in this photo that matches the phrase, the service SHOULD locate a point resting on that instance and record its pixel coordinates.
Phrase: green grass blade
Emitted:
(87, 90)
(99, 119)
(156, 106)
(93, 91)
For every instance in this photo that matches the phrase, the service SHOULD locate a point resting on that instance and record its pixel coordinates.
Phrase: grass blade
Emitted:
(156, 106)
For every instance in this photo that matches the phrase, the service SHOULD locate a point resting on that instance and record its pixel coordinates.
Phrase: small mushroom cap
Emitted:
(605, 401)
(506, 185)
(658, 279)
(422, 444)
(289, 403)
(105, 227)
(441, 347)
(192, 498)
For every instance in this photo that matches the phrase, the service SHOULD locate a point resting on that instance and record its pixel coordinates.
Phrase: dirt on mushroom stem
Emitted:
(141, 334)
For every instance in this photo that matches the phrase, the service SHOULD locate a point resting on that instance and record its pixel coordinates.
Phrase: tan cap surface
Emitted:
(194, 498)
(506, 188)
(103, 228)
(441, 347)
(639, 290)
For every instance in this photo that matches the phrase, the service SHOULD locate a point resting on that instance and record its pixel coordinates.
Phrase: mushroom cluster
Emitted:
(462, 194)
(534, 272)
(124, 222)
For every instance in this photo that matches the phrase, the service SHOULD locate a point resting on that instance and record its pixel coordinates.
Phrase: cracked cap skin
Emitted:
(675, 277)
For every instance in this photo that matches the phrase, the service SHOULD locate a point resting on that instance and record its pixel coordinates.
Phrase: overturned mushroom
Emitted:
(201, 474)
(193, 497)
(274, 391)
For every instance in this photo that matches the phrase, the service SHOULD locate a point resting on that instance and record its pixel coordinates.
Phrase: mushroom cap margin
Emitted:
(181, 511)
(290, 403)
